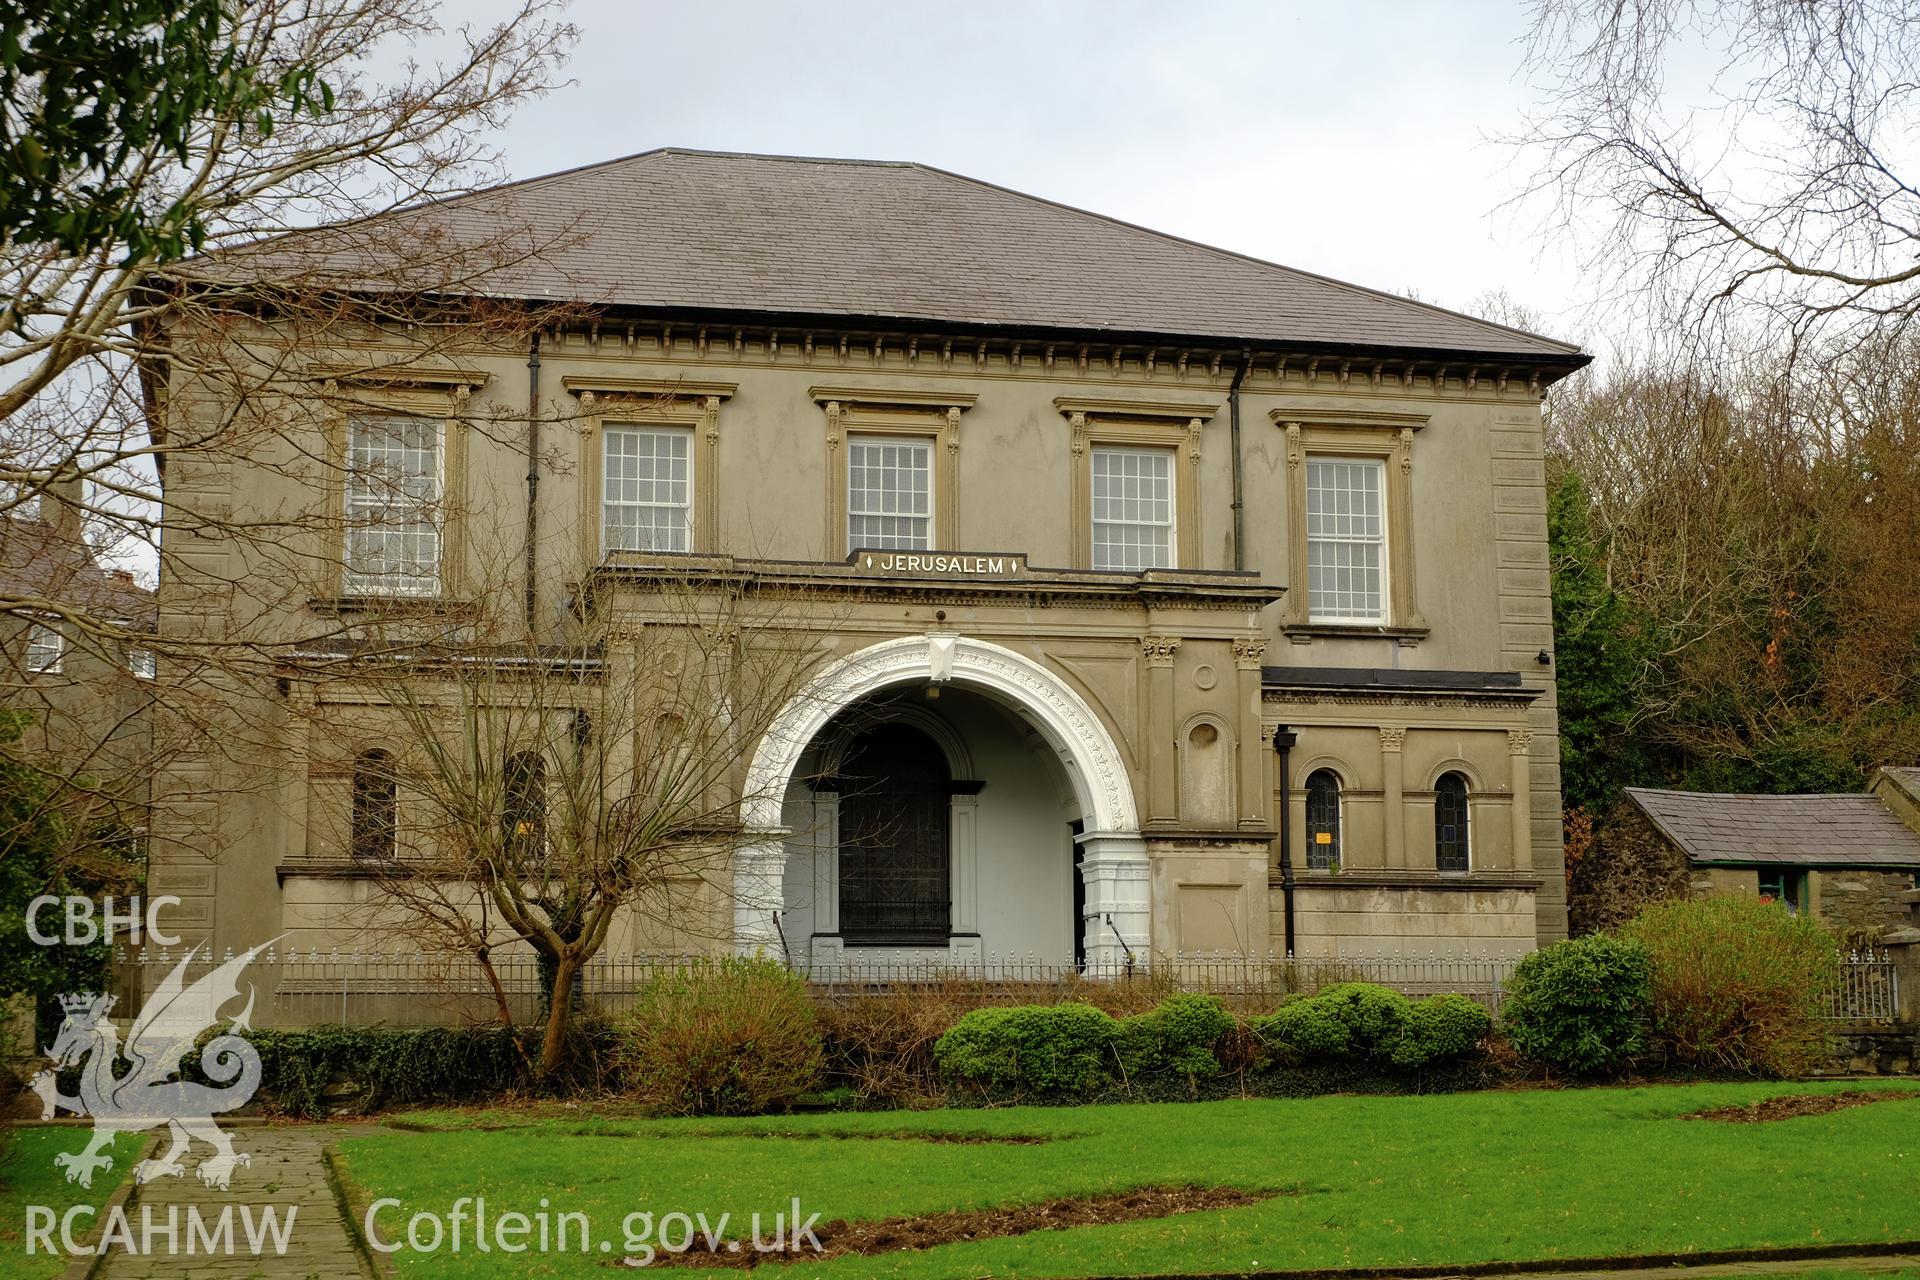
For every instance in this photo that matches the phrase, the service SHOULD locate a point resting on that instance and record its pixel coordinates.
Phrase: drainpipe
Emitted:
(533, 478)
(1233, 421)
(1283, 740)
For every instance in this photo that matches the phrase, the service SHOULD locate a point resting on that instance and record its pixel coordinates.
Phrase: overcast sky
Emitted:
(1352, 139)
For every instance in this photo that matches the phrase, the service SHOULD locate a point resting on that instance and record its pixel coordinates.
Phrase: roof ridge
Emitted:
(1379, 295)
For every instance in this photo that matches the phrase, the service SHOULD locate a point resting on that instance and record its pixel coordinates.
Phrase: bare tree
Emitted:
(559, 789)
(1743, 169)
(139, 390)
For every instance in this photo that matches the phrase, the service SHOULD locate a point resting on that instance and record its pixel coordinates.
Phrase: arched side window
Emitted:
(1323, 820)
(376, 804)
(1451, 839)
(896, 878)
(524, 803)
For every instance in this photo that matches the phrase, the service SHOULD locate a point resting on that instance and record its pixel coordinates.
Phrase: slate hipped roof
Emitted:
(1807, 831)
(697, 231)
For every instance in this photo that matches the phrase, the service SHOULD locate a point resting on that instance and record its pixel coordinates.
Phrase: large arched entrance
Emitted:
(892, 877)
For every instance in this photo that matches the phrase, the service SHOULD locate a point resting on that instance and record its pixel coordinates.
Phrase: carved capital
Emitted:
(1159, 650)
(953, 429)
(1077, 421)
(1193, 440)
(588, 400)
(1392, 739)
(710, 418)
(1294, 454)
(1248, 651)
(1406, 451)
(1519, 741)
(833, 424)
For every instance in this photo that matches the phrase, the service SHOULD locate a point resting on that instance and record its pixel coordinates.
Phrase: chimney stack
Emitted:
(63, 503)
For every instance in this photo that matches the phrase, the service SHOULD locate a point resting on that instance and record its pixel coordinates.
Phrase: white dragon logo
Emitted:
(147, 1096)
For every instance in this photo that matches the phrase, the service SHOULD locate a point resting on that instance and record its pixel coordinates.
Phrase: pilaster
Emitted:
(1393, 741)
(1163, 775)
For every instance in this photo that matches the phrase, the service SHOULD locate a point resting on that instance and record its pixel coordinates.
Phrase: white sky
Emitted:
(1353, 139)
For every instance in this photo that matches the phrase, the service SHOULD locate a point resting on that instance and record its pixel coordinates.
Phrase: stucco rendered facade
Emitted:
(1108, 733)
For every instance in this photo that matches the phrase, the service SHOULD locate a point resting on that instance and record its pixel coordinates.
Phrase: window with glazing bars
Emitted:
(646, 488)
(1132, 509)
(1323, 820)
(1346, 540)
(889, 494)
(392, 512)
(45, 646)
(1450, 834)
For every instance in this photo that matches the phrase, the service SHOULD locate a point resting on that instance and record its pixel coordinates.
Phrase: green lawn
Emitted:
(1380, 1181)
(30, 1178)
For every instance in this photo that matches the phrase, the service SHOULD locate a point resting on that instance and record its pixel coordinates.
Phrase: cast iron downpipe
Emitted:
(1283, 740)
(533, 480)
(1233, 427)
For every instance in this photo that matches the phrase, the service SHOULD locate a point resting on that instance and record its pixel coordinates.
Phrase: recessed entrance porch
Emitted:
(931, 826)
(939, 801)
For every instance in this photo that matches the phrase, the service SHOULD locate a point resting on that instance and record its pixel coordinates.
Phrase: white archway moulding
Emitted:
(1114, 857)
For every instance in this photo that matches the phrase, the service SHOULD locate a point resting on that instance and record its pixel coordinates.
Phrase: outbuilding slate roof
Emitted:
(1806, 831)
(679, 230)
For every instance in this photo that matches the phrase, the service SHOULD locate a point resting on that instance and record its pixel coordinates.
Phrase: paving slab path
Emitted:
(287, 1172)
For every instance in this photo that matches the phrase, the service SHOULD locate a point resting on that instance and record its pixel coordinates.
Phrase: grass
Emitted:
(1381, 1181)
(30, 1178)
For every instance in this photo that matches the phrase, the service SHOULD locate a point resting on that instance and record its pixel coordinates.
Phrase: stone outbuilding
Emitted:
(1851, 859)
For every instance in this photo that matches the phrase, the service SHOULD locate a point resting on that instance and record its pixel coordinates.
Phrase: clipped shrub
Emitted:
(1347, 1020)
(730, 1037)
(1581, 1005)
(326, 1069)
(1358, 1023)
(1440, 1029)
(1039, 1051)
(1739, 984)
(1179, 1036)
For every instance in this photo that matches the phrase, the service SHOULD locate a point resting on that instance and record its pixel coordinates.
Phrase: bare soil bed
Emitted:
(893, 1235)
(1792, 1105)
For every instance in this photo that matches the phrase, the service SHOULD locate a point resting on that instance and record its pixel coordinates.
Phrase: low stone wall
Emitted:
(1875, 1051)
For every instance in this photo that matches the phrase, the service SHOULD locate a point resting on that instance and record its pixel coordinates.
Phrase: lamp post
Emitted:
(1283, 741)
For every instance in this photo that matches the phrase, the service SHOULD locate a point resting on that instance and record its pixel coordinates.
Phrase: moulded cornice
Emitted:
(1117, 407)
(1350, 417)
(918, 397)
(400, 374)
(665, 388)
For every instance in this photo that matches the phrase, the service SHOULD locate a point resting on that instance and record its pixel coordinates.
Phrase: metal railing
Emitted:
(1867, 989)
(306, 988)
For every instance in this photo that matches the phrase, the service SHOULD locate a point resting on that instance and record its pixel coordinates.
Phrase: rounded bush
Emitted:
(1581, 1005)
(1348, 1020)
(1047, 1051)
(729, 1037)
(1178, 1036)
(1440, 1029)
(1739, 984)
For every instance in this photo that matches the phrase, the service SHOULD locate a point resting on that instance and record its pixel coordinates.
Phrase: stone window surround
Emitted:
(1377, 435)
(650, 402)
(443, 395)
(932, 416)
(1138, 424)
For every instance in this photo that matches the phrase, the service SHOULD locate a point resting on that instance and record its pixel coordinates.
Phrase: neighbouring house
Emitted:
(1130, 505)
(1853, 860)
(78, 654)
